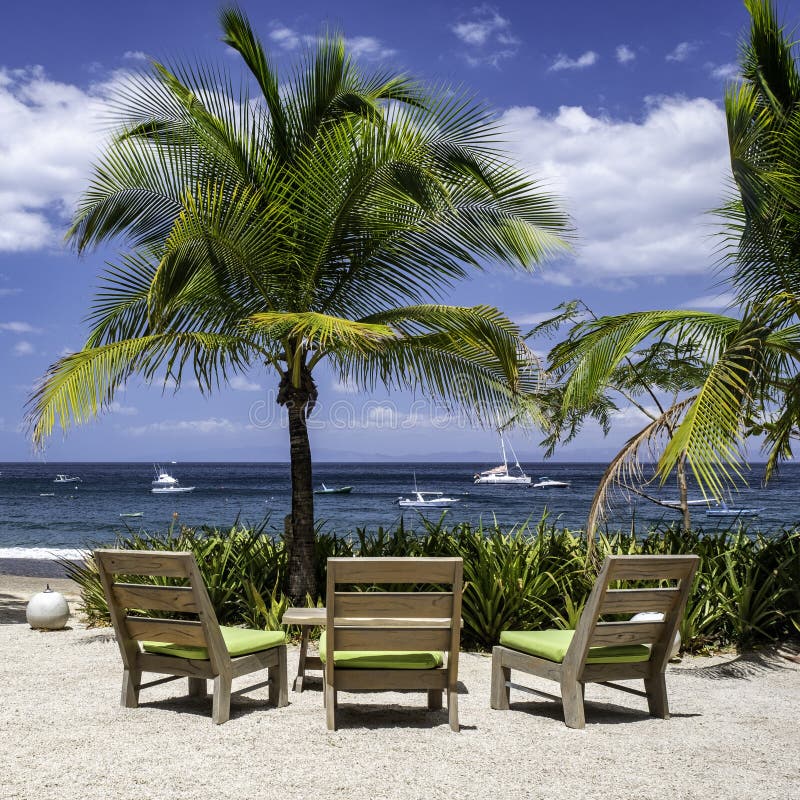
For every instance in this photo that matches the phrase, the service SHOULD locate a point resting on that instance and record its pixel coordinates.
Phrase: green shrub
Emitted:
(746, 591)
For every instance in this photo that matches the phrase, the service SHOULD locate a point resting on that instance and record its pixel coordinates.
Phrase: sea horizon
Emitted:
(40, 517)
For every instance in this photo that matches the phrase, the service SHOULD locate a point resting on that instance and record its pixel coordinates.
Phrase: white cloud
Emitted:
(624, 54)
(241, 384)
(682, 51)
(18, 327)
(587, 59)
(9, 292)
(368, 48)
(483, 26)
(50, 133)
(125, 411)
(532, 319)
(285, 38)
(23, 348)
(487, 35)
(724, 71)
(134, 55)
(344, 387)
(638, 191)
(200, 427)
(711, 302)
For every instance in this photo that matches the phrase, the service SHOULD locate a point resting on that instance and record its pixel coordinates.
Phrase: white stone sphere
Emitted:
(657, 616)
(48, 610)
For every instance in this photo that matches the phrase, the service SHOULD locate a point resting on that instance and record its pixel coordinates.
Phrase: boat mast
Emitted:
(503, 448)
(516, 460)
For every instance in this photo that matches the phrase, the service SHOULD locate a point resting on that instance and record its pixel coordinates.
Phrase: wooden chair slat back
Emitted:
(392, 639)
(632, 601)
(123, 597)
(155, 598)
(650, 568)
(671, 601)
(147, 562)
(167, 631)
(394, 570)
(394, 620)
(392, 604)
(607, 634)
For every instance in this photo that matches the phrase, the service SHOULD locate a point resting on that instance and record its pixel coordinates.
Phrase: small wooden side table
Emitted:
(307, 618)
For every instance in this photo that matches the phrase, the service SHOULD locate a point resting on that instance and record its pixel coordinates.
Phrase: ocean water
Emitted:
(39, 518)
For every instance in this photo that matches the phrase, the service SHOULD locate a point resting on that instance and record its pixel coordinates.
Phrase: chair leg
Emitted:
(131, 678)
(500, 693)
(197, 687)
(452, 708)
(330, 707)
(278, 680)
(434, 699)
(572, 700)
(656, 689)
(221, 706)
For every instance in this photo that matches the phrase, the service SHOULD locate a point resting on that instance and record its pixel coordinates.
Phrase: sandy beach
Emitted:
(64, 735)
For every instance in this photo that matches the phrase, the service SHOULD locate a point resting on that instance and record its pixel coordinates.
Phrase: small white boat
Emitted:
(62, 477)
(47, 494)
(723, 510)
(501, 474)
(339, 490)
(427, 500)
(133, 514)
(164, 483)
(549, 483)
(698, 502)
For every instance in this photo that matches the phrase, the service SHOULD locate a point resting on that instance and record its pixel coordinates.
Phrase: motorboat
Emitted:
(164, 483)
(549, 483)
(62, 477)
(427, 500)
(163, 478)
(501, 473)
(133, 514)
(339, 490)
(723, 510)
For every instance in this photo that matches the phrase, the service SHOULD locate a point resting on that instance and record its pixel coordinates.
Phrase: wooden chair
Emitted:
(198, 649)
(380, 640)
(599, 650)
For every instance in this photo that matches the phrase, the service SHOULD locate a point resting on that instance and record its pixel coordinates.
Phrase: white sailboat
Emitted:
(501, 474)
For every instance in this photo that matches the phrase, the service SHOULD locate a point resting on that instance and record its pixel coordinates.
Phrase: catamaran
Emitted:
(500, 474)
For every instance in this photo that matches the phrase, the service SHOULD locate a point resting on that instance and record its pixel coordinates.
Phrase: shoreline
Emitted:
(32, 568)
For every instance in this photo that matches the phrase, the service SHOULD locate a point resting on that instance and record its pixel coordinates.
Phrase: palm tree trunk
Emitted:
(684, 494)
(302, 573)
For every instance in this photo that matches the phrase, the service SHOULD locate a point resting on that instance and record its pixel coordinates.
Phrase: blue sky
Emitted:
(615, 104)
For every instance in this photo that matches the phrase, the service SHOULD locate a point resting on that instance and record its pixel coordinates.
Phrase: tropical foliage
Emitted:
(657, 380)
(749, 363)
(746, 591)
(320, 221)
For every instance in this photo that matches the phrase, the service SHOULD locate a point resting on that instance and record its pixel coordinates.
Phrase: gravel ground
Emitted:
(63, 735)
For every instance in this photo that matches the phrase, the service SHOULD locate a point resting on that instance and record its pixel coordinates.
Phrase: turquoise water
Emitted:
(36, 513)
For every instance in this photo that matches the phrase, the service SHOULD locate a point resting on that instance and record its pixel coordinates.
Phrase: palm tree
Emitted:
(322, 222)
(752, 384)
(655, 380)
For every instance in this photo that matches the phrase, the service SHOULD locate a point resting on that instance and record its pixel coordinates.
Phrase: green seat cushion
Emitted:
(239, 641)
(553, 645)
(382, 659)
